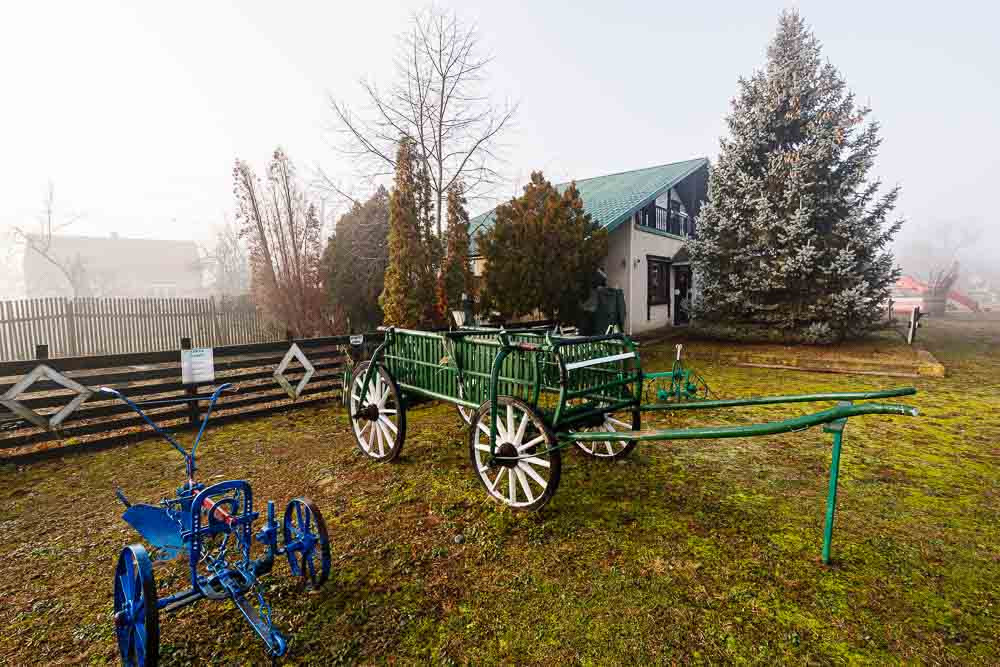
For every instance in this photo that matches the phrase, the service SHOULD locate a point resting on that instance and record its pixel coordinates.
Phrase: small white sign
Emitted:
(357, 339)
(198, 366)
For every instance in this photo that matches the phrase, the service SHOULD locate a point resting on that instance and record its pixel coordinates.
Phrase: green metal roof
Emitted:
(611, 200)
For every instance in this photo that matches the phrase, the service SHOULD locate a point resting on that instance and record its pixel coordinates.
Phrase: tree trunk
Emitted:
(934, 304)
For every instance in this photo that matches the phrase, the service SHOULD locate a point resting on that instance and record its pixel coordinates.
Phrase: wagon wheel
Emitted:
(307, 544)
(379, 424)
(464, 412)
(137, 620)
(610, 450)
(525, 484)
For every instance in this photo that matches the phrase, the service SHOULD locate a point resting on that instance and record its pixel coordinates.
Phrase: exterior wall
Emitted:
(627, 269)
(616, 265)
(645, 243)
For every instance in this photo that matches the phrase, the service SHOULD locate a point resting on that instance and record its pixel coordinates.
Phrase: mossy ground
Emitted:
(697, 551)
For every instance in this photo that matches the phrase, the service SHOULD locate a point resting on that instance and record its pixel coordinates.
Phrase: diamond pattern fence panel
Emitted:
(54, 403)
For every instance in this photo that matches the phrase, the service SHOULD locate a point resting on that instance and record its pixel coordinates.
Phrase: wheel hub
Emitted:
(594, 421)
(369, 412)
(123, 617)
(506, 450)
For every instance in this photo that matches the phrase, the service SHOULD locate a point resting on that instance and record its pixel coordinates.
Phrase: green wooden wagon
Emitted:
(528, 394)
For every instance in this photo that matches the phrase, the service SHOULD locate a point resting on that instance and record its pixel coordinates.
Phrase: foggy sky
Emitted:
(136, 111)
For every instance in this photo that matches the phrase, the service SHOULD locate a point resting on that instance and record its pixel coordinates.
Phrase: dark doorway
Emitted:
(682, 294)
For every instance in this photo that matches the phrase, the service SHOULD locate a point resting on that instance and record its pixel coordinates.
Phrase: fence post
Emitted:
(190, 389)
(71, 326)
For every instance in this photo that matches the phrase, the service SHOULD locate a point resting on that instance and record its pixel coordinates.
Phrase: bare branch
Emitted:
(40, 243)
(436, 100)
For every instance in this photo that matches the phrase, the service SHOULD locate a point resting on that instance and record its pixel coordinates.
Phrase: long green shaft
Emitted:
(769, 400)
(767, 428)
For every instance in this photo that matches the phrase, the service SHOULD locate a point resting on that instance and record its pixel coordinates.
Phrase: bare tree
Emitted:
(282, 227)
(437, 101)
(935, 253)
(228, 262)
(71, 266)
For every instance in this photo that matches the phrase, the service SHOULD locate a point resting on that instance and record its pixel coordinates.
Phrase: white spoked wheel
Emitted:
(526, 473)
(380, 421)
(464, 412)
(608, 450)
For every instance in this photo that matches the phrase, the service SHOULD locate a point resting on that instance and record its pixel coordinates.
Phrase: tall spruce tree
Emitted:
(408, 293)
(794, 236)
(455, 278)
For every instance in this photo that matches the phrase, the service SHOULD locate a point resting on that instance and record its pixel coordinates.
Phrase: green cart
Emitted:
(528, 394)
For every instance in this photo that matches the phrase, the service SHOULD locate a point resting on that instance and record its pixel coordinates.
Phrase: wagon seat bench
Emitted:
(527, 394)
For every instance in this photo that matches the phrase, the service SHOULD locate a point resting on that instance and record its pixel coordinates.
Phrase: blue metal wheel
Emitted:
(306, 542)
(137, 619)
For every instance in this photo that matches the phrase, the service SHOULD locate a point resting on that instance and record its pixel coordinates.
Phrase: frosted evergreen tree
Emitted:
(794, 237)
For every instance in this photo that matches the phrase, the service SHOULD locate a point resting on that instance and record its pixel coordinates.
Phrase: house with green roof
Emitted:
(649, 214)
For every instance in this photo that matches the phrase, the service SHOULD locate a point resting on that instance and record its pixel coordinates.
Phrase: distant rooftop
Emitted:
(117, 252)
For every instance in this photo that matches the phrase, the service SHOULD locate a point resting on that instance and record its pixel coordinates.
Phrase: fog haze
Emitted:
(136, 111)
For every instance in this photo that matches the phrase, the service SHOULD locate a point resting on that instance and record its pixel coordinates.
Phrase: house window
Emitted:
(658, 281)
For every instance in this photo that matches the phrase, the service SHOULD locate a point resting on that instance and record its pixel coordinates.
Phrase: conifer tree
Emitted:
(432, 249)
(455, 278)
(408, 292)
(355, 261)
(794, 235)
(542, 253)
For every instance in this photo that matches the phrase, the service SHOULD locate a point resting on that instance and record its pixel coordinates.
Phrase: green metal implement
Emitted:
(528, 394)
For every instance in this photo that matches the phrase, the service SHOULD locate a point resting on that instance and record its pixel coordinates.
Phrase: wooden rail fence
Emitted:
(153, 376)
(97, 326)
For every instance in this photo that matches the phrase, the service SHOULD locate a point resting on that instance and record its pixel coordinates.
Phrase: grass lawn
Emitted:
(698, 551)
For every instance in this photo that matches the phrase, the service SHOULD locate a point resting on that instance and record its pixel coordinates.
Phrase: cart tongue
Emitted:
(159, 529)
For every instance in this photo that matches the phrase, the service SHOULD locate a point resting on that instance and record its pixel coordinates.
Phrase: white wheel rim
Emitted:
(525, 483)
(466, 413)
(605, 448)
(377, 438)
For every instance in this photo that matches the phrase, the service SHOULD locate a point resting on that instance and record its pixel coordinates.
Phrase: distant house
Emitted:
(649, 214)
(909, 292)
(117, 267)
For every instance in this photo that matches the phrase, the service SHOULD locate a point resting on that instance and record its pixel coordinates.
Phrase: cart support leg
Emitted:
(831, 498)
(837, 429)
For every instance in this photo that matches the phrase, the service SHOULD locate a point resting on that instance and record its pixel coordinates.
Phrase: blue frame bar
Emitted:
(189, 457)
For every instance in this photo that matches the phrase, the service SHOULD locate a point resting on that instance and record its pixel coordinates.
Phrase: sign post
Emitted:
(911, 332)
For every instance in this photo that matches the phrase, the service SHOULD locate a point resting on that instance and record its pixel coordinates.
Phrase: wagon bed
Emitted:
(528, 394)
